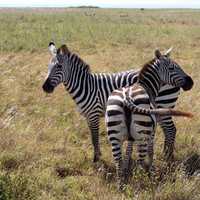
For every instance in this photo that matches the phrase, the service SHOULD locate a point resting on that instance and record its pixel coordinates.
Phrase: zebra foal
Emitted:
(131, 111)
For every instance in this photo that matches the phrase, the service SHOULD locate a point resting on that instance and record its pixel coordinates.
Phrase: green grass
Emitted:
(31, 31)
(45, 147)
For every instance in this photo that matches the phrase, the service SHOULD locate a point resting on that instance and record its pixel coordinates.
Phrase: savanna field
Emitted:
(45, 146)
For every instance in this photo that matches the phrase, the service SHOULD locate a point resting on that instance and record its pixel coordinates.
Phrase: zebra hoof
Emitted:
(96, 158)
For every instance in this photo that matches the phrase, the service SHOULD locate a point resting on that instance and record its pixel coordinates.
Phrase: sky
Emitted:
(103, 3)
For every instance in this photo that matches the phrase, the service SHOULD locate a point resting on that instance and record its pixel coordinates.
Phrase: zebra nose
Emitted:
(47, 87)
(188, 83)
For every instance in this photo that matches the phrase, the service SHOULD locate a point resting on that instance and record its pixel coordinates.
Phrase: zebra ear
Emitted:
(157, 53)
(63, 50)
(52, 49)
(168, 52)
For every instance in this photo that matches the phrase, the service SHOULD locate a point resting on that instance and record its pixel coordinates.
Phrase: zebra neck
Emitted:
(78, 81)
(150, 80)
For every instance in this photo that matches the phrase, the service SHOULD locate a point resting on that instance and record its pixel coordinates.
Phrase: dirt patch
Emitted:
(9, 163)
(63, 172)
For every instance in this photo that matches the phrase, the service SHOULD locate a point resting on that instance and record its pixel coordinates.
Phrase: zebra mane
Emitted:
(79, 61)
(74, 58)
(145, 67)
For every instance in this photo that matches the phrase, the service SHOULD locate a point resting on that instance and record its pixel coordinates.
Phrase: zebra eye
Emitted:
(59, 66)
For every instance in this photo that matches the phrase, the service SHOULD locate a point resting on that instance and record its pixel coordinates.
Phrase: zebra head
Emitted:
(56, 72)
(171, 73)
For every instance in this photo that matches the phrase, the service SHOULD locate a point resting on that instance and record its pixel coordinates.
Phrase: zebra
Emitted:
(90, 92)
(131, 112)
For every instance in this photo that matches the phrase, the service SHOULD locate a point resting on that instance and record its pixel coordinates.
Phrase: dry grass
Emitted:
(46, 152)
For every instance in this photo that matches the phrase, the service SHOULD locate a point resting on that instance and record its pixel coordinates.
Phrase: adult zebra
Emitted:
(90, 91)
(131, 111)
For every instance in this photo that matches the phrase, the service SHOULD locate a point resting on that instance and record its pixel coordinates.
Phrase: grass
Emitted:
(45, 147)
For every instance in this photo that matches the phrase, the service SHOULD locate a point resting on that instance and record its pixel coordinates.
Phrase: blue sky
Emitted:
(103, 3)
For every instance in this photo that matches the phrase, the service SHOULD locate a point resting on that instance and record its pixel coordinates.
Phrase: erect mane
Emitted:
(145, 67)
(83, 64)
(73, 56)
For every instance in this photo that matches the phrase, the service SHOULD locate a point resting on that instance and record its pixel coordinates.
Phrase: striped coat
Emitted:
(131, 111)
(90, 91)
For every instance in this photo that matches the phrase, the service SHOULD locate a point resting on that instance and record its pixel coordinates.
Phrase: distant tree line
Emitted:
(86, 7)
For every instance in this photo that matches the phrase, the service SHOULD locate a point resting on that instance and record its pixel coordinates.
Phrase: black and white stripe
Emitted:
(167, 98)
(90, 91)
(131, 111)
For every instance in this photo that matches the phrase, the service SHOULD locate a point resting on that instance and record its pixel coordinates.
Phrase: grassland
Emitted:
(45, 148)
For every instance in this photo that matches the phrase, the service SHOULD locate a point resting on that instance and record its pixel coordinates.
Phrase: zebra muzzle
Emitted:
(188, 83)
(47, 87)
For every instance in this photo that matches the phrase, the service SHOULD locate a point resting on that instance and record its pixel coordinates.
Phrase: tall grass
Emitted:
(28, 30)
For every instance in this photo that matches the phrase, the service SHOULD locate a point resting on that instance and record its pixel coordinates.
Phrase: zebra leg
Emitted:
(169, 130)
(117, 155)
(120, 178)
(145, 156)
(127, 161)
(93, 124)
(151, 154)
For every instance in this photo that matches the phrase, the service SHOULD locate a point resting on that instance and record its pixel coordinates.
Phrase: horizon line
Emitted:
(101, 7)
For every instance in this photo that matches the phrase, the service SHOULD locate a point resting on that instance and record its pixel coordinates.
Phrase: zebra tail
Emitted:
(171, 112)
(159, 112)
